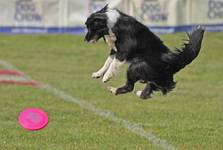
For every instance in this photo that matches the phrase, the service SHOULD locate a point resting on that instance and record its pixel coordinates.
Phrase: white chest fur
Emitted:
(113, 16)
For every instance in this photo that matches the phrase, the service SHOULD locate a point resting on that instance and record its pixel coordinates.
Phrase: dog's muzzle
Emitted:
(91, 40)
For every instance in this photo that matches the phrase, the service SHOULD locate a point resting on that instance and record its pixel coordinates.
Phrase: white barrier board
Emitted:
(68, 16)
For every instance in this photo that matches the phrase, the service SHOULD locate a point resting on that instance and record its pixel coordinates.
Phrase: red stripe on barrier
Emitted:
(24, 83)
(10, 72)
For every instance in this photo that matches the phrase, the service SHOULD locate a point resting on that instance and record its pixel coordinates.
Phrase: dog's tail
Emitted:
(181, 58)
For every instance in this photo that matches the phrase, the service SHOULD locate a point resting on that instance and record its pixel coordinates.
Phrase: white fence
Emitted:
(68, 16)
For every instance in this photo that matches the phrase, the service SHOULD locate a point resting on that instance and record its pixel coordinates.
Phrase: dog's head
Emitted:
(97, 25)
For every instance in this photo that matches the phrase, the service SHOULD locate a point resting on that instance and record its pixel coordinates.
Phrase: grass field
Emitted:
(189, 118)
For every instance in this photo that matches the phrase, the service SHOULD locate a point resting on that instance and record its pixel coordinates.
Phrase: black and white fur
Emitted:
(150, 61)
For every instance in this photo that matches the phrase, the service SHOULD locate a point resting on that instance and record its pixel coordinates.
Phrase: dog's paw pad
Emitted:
(138, 93)
(113, 90)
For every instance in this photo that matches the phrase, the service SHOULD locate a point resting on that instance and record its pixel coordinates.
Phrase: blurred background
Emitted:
(68, 16)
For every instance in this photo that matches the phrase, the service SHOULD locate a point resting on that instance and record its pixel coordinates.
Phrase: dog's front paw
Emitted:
(97, 74)
(113, 90)
(105, 78)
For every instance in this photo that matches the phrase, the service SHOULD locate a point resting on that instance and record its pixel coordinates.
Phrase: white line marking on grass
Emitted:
(7, 65)
(12, 78)
(131, 126)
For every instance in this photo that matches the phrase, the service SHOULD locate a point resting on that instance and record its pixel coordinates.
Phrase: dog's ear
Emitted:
(104, 9)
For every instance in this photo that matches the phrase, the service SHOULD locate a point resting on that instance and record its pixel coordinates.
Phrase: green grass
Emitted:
(189, 118)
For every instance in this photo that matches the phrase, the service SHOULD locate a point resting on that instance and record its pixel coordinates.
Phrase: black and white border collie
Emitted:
(150, 61)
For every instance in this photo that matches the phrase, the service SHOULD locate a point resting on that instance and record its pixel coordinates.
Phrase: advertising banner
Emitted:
(168, 16)
(69, 16)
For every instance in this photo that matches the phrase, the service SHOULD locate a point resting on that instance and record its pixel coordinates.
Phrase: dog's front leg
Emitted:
(112, 70)
(105, 67)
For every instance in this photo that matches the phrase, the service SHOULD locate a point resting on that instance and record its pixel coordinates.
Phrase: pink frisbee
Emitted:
(33, 119)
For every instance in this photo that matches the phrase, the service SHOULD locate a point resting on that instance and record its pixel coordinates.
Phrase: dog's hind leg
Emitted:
(132, 78)
(138, 71)
(147, 91)
(128, 87)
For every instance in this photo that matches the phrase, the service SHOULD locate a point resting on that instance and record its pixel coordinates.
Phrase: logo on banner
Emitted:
(25, 10)
(215, 9)
(96, 5)
(152, 11)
